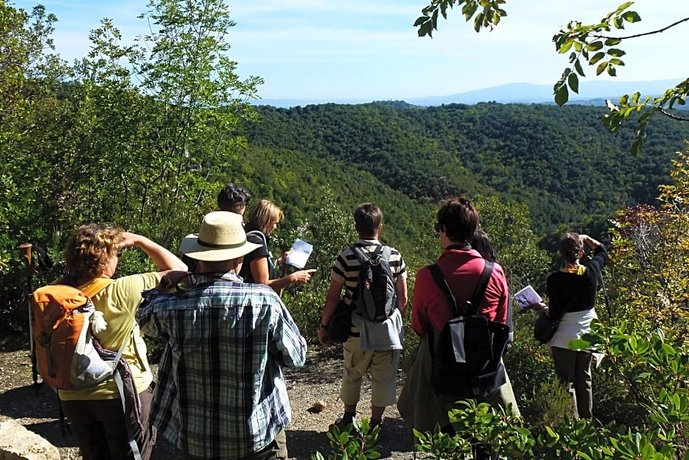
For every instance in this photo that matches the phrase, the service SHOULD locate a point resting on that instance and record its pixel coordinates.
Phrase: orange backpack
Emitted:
(68, 355)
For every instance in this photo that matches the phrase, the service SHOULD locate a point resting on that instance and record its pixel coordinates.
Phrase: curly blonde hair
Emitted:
(90, 248)
(264, 215)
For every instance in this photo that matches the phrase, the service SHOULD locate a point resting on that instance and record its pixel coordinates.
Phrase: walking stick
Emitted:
(605, 296)
(27, 255)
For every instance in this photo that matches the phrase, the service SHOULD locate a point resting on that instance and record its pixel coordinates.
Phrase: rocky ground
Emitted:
(318, 380)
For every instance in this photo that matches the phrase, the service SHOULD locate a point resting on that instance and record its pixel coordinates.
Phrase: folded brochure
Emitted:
(301, 250)
(526, 297)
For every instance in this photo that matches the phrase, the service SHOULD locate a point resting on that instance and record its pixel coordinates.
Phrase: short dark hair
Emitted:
(233, 197)
(571, 246)
(458, 217)
(367, 219)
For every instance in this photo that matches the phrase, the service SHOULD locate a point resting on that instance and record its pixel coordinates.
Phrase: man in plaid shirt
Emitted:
(220, 391)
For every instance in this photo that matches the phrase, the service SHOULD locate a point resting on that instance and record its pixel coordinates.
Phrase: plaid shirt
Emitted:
(220, 391)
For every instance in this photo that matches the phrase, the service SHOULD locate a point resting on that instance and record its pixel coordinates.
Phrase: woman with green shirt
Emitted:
(98, 422)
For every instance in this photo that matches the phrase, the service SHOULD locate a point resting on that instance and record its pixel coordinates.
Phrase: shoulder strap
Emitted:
(93, 287)
(360, 254)
(479, 292)
(482, 284)
(386, 252)
(260, 234)
(440, 280)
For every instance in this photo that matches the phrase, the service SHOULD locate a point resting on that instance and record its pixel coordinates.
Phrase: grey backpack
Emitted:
(375, 296)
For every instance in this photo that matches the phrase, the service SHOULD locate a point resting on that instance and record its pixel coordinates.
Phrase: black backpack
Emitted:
(375, 297)
(471, 366)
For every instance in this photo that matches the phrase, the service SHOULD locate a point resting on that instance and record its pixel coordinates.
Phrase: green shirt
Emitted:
(119, 302)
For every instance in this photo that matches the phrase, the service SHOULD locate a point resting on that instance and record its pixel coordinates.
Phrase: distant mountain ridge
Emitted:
(590, 93)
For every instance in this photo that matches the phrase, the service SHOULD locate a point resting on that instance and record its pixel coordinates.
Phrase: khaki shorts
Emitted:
(382, 366)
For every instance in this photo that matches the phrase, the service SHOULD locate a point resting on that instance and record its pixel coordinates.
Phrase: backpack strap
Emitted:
(479, 292)
(386, 252)
(380, 249)
(261, 235)
(441, 282)
(360, 254)
(264, 242)
(94, 286)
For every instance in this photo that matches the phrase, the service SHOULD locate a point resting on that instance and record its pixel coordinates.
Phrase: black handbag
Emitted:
(340, 324)
(544, 328)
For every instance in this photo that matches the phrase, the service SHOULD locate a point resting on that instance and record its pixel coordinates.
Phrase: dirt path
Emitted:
(318, 380)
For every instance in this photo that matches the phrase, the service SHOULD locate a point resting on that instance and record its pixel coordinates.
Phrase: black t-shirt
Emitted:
(258, 253)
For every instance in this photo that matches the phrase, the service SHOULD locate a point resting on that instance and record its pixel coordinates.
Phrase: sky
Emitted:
(360, 50)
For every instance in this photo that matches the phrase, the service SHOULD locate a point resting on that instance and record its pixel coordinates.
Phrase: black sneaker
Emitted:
(343, 423)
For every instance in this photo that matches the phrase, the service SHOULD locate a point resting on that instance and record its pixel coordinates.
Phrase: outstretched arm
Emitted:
(259, 272)
(163, 259)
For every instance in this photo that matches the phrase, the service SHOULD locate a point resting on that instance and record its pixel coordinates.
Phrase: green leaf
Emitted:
(617, 62)
(478, 21)
(612, 41)
(616, 52)
(594, 46)
(420, 20)
(596, 57)
(426, 29)
(631, 16)
(579, 344)
(623, 7)
(566, 46)
(561, 94)
(601, 67)
(573, 82)
(578, 68)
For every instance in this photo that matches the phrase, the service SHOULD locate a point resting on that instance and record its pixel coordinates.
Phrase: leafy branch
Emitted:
(590, 44)
(486, 14)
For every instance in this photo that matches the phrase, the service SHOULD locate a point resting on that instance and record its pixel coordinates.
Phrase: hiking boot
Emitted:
(343, 423)
(376, 423)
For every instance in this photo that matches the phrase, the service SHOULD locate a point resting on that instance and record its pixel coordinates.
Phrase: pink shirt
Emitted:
(462, 269)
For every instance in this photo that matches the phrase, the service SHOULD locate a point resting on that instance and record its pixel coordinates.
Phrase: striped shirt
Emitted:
(220, 391)
(347, 266)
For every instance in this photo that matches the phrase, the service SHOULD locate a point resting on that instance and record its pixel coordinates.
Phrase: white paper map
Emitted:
(527, 296)
(301, 250)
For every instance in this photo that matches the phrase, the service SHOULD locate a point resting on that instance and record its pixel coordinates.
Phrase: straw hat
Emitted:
(221, 237)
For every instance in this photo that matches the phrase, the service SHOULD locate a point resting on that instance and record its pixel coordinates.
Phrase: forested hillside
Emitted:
(144, 135)
(561, 162)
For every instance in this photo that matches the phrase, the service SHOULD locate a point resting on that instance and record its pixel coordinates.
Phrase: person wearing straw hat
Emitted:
(221, 393)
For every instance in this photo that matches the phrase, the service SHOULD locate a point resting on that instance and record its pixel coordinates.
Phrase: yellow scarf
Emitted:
(578, 270)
